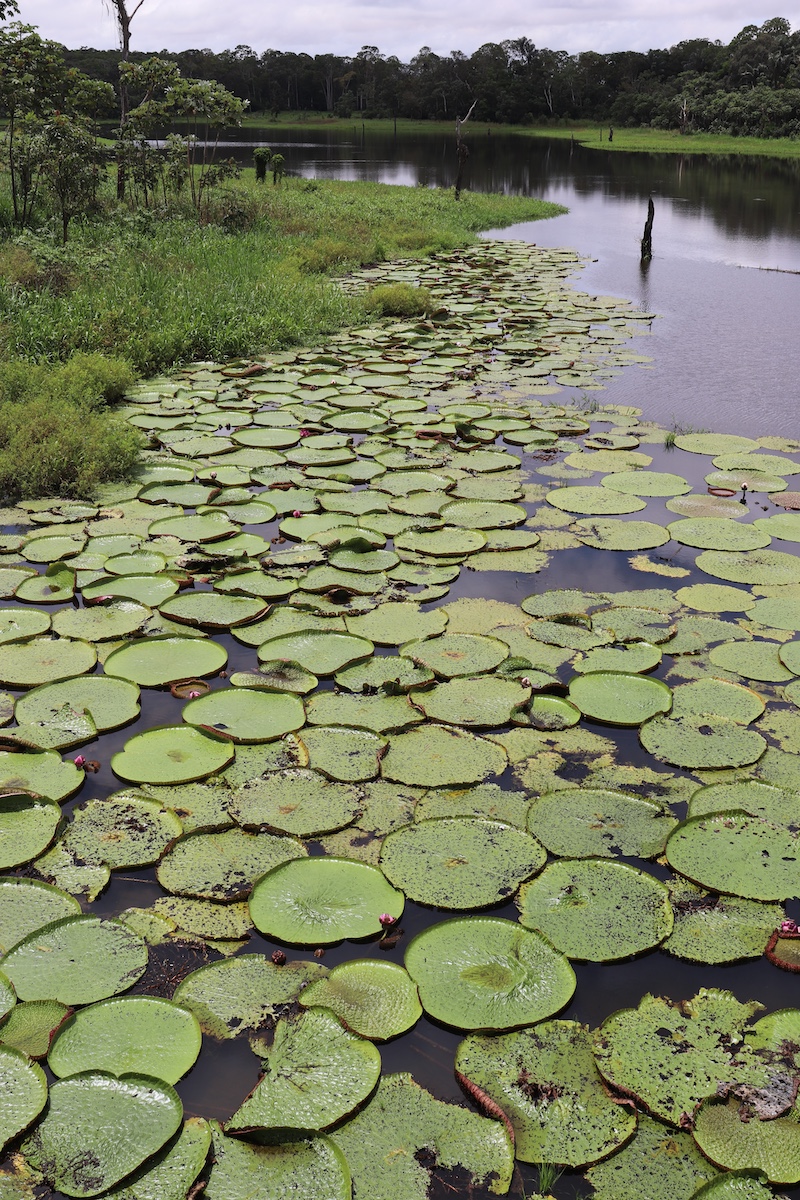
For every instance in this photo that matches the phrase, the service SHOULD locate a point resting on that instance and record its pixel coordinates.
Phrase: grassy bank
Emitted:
(155, 290)
(595, 136)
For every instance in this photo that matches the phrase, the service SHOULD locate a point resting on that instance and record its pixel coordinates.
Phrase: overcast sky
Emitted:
(401, 27)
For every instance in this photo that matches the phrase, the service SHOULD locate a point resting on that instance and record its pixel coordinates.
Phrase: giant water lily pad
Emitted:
(700, 741)
(751, 566)
(594, 501)
(19, 624)
(242, 994)
(546, 1081)
(347, 755)
(647, 483)
(735, 853)
(246, 714)
(482, 514)
(209, 527)
(474, 701)
(170, 1174)
(101, 622)
(715, 443)
(396, 622)
(455, 654)
(318, 901)
(213, 610)
(597, 910)
(734, 1185)
(752, 660)
(8, 997)
(110, 702)
(592, 822)
(27, 826)
(668, 1055)
(710, 928)
(441, 543)
(315, 1073)
(657, 1164)
(487, 973)
(308, 1168)
(222, 865)
(436, 756)
(619, 698)
(156, 661)
(717, 698)
(44, 660)
(633, 658)
(321, 651)
(759, 799)
(143, 1035)
(77, 960)
(296, 801)
(392, 673)
(27, 905)
(23, 1093)
(30, 1026)
(610, 534)
(377, 713)
(729, 1136)
(172, 754)
(718, 533)
(460, 862)
(393, 1144)
(125, 830)
(99, 1128)
(377, 1000)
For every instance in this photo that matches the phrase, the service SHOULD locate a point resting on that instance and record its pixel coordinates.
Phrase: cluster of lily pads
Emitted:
(378, 740)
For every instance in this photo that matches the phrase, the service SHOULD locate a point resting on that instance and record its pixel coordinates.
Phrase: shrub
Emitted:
(399, 300)
(88, 380)
(59, 448)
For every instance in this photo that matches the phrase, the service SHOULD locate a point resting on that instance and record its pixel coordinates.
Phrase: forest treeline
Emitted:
(751, 86)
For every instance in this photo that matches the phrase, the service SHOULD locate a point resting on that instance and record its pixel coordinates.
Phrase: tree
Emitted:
(70, 162)
(123, 17)
(8, 8)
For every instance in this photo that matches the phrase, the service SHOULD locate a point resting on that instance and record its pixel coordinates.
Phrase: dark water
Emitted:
(726, 347)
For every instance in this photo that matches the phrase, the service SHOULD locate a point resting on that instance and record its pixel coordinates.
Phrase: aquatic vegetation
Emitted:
(332, 735)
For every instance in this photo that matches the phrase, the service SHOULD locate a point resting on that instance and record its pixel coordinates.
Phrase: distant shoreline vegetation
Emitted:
(749, 87)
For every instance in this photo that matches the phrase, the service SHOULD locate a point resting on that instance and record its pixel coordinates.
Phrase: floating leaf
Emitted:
(378, 713)
(126, 830)
(585, 822)
(618, 698)
(718, 929)
(142, 1035)
(455, 654)
(30, 1026)
(396, 622)
(77, 960)
(318, 901)
(299, 802)
(752, 660)
(718, 533)
(323, 652)
(27, 826)
(597, 910)
(99, 1128)
(170, 1174)
(243, 994)
(390, 1142)
(246, 715)
(23, 1093)
(730, 1138)
(594, 501)
(110, 702)
(647, 483)
(224, 865)
(377, 1000)
(315, 1073)
(310, 1168)
(348, 755)
(27, 905)
(487, 973)
(751, 566)
(436, 756)
(657, 1164)
(44, 660)
(699, 741)
(155, 661)
(736, 853)
(546, 1081)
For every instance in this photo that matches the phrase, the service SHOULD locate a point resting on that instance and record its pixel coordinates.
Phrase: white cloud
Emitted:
(400, 26)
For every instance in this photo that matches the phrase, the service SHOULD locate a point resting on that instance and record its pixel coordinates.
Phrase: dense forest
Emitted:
(750, 86)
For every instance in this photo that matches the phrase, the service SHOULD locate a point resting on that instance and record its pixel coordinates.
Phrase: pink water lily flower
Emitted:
(789, 926)
(305, 433)
(297, 513)
(79, 760)
(387, 919)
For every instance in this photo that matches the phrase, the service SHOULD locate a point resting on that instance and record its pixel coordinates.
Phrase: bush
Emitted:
(59, 448)
(87, 380)
(399, 300)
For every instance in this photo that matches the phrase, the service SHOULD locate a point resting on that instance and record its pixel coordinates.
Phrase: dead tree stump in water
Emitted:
(462, 150)
(647, 236)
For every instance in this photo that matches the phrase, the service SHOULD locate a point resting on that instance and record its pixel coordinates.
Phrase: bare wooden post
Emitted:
(647, 236)
(462, 150)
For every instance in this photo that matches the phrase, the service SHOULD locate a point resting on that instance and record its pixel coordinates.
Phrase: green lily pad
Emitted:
(546, 1081)
(110, 702)
(27, 905)
(141, 1035)
(170, 1174)
(591, 822)
(710, 928)
(776, 613)
(594, 501)
(436, 756)
(715, 597)
(125, 830)
(156, 661)
(489, 974)
(701, 742)
(441, 543)
(309, 1168)
(610, 534)
(256, 583)
(315, 1073)
(715, 443)
(474, 701)
(789, 655)
(454, 654)
(246, 714)
(751, 566)
(319, 901)
(278, 675)
(727, 1134)
(378, 713)
(697, 633)
(23, 1093)
(377, 1000)
(718, 533)
(30, 1026)
(657, 1164)
(242, 994)
(775, 804)
(220, 922)
(150, 590)
(209, 527)
(222, 865)
(784, 526)
(460, 862)
(19, 624)
(384, 672)
(347, 755)
(482, 514)
(77, 960)
(717, 698)
(701, 504)
(647, 483)
(299, 802)
(8, 998)
(735, 853)
(27, 826)
(139, 562)
(118, 1123)
(734, 1185)
(44, 660)
(323, 652)
(213, 610)
(752, 660)
(754, 481)
(101, 622)
(618, 698)
(597, 910)
(635, 657)
(394, 623)
(171, 754)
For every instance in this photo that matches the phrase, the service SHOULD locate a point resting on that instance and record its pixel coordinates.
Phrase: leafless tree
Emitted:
(123, 15)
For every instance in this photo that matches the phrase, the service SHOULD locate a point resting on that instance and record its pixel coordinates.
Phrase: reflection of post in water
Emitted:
(462, 150)
(647, 236)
